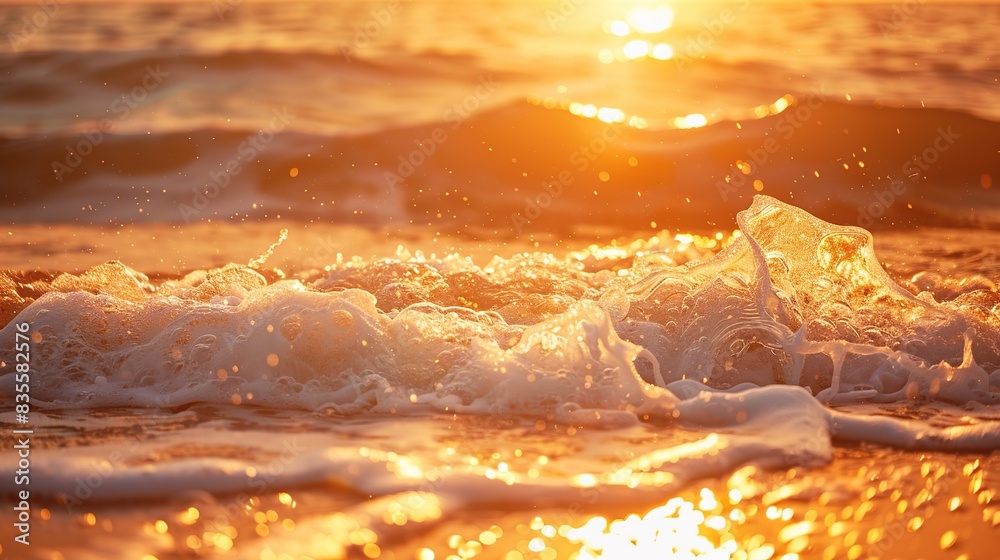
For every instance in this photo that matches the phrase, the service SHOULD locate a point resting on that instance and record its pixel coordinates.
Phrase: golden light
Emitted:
(782, 103)
(676, 526)
(619, 28)
(590, 111)
(686, 530)
(636, 49)
(189, 516)
(637, 122)
(610, 115)
(646, 20)
(286, 499)
(585, 481)
(694, 120)
(663, 51)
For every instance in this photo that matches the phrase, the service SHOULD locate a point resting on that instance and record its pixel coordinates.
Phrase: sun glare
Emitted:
(680, 527)
(694, 120)
(646, 20)
(636, 49)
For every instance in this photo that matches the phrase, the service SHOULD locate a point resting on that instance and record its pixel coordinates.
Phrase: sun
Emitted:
(650, 20)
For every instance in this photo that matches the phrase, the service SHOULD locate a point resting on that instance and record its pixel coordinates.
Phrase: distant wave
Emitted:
(522, 168)
(120, 69)
(791, 301)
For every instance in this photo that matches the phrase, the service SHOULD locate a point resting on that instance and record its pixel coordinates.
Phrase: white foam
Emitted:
(793, 301)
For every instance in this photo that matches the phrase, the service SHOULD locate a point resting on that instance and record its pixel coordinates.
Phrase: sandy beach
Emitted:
(524, 280)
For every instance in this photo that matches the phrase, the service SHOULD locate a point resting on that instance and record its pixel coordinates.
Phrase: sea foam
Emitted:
(792, 301)
(755, 351)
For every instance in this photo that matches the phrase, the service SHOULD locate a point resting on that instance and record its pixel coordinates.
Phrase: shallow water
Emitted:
(515, 125)
(319, 487)
(609, 376)
(507, 279)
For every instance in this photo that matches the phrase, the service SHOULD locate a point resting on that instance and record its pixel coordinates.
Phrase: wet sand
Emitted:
(869, 502)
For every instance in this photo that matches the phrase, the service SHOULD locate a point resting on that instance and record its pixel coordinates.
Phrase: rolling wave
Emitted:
(521, 168)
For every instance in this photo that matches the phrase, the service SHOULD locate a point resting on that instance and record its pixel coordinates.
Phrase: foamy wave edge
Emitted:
(733, 347)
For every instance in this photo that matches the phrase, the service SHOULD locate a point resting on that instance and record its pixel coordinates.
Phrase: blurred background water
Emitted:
(169, 92)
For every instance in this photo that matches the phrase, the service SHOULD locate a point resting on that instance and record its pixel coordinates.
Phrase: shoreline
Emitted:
(868, 502)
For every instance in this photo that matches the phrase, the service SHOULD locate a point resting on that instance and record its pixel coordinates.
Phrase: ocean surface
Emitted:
(431, 113)
(503, 279)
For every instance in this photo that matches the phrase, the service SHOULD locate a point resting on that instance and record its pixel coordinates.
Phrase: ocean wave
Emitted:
(122, 69)
(757, 351)
(521, 169)
(792, 300)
